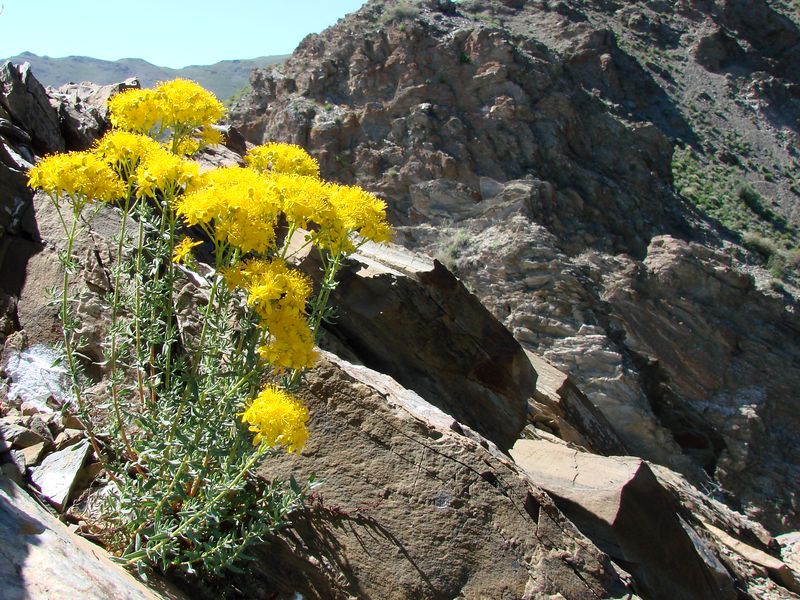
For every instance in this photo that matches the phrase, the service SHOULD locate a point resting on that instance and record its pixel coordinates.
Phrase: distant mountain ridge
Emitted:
(224, 78)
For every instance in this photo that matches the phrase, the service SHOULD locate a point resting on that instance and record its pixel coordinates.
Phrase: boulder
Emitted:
(41, 559)
(413, 505)
(618, 503)
(83, 110)
(56, 475)
(26, 101)
(409, 317)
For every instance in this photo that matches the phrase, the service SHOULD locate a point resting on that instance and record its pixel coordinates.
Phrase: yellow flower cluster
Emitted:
(180, 109)
(135, 110)
(354, 210)
(332, 212)
(277, 157)
(165, 172)
(278, 294)
(84, 176)
(236, 205)
(277, 418)
(124, 150)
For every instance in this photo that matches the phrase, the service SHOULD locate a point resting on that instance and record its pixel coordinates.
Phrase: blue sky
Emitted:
(167, 33)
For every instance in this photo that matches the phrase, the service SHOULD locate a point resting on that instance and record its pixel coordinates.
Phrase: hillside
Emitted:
(225, 78)
(616, 181)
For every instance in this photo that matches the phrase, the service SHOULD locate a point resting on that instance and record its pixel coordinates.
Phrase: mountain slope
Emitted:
(224, 78)
(567, 161)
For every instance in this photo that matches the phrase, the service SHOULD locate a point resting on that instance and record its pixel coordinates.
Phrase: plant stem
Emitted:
(71, 232)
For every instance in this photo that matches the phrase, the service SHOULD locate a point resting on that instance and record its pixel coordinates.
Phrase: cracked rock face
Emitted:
(422, 510)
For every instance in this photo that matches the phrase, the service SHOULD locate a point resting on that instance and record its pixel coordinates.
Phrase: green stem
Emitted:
(71, 232)
(114, 307)
(208, 505)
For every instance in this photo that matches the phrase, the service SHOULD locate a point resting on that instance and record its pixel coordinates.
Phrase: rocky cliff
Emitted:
(555, 156)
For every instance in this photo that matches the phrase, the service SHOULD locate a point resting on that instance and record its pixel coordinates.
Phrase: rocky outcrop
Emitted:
(83, 110)
(674, 540)
(26, 104)
(527, 147)
(619, 504)
(421, 110)
(414, 506)
(407, 316)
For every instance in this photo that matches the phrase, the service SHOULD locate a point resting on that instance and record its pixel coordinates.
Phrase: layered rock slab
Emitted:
(41, 559)
(413, 505)
(408, 316)
(620, 505)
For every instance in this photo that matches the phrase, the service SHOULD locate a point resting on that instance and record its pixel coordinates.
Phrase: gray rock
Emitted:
(36, 378)
(83, 110)
(26, 101)
(18, 436)
(618, 503)
(41, 559)
(56, 476)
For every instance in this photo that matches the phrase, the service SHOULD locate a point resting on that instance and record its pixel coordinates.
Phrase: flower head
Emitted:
(277, 157)
(279, 295)
(237, 205)
(277, 418)
(351, 210)
(83, 176)
(124, 150)
(180, 111)
(165, 172)
(183, 249)
(185, 104)
(136, 110)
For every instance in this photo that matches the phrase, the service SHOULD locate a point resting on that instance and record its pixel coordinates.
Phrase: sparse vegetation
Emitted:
(236, 96)
(448, 254)
(721, 191)
(400, 11)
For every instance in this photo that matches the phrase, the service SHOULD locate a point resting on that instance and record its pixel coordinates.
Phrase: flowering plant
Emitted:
(199, 392)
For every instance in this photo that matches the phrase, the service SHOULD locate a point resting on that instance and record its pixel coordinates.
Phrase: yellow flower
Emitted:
(136, 110)
(124, 150)
(236, 205)
(210, 136)
(84, 176)
(350, 210)
(282, 158)
(277, 418)
(304, 199)
(279, 295)
(291, 343)
(183, 249)
(360, 211)
(162, 171)
(186, 104)
(179, 111)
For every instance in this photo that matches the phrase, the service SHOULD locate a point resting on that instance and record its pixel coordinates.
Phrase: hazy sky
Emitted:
(167, 33)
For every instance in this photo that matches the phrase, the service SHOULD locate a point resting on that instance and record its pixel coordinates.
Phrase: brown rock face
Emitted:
(411, 509)
(620, 505)
(441, 99)
(410, 318)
